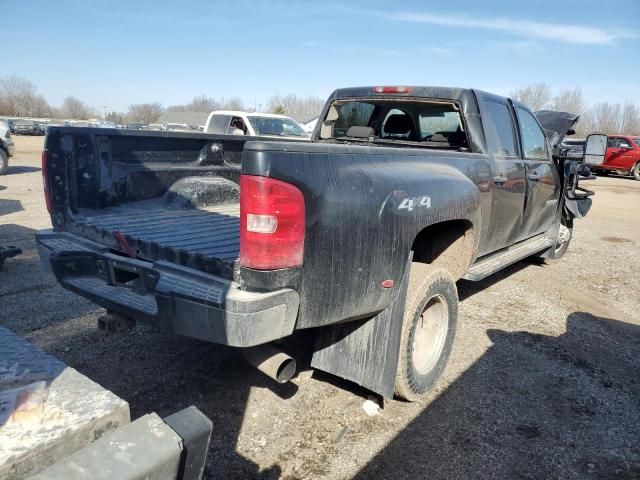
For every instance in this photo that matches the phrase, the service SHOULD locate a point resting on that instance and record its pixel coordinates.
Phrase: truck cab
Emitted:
(231, 122)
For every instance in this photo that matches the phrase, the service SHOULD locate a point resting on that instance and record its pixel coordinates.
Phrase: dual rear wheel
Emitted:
(428, 330)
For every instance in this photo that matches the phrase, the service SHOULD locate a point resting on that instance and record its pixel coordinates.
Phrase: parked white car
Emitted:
(177, 127)
(229, 122)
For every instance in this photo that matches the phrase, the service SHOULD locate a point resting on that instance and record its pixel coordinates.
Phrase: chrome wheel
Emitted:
(430, 334)
(564, 234)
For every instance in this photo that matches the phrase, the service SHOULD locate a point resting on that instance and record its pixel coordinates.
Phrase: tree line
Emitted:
(602, 117)
(19, 98)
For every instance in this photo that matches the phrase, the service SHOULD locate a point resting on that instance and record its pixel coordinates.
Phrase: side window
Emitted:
(498, 128)
(534, 142)
(218, 124)
(612, 142)
(623, 143)
(236, 124)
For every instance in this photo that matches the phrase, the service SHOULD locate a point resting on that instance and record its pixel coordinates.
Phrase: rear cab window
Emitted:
(421, 123)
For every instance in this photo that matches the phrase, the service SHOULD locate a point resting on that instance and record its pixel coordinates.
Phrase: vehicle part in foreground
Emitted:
(57, 424)
(8, 252)
(47, 410)
(171, 449)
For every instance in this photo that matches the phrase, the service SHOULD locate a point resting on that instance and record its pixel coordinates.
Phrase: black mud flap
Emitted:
(365, 351)
(579, 207)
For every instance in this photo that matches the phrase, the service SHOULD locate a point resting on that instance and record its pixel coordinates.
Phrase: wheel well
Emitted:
(447, 244)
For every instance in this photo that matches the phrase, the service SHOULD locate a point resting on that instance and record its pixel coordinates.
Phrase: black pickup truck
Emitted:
(360, 234)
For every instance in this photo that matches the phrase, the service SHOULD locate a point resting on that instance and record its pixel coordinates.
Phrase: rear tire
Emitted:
(4, 162)
(428, 330)
(635, 171)
(602, 173)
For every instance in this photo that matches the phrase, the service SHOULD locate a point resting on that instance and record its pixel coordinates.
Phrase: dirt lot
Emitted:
(544, 380)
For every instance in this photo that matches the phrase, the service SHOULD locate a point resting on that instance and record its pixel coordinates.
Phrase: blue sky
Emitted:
(114, 53)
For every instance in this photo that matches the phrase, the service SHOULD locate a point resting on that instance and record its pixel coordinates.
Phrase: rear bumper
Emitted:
(167, 296)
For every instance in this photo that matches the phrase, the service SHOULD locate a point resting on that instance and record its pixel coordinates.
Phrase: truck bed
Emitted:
(213, 233)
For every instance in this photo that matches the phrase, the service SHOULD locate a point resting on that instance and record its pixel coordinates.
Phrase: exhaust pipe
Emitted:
(271, 361)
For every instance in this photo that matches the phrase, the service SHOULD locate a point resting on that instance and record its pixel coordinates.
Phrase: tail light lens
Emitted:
(271, 223)
(47, 191)
(392, 89)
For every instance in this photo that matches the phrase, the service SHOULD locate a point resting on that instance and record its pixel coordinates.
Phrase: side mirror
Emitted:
(595, 149)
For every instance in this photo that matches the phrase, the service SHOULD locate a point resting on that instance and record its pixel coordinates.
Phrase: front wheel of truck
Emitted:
(565, 233)
(428, 330)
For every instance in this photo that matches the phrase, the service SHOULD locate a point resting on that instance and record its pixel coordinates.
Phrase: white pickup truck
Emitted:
(230, 122)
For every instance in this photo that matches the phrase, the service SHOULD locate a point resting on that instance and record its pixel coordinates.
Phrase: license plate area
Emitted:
(125, 275)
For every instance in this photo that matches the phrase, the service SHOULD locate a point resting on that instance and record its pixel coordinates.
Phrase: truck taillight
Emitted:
(271, 223)
(392, 89)
(47, 191)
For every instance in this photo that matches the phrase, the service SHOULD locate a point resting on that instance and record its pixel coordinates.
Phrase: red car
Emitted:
(623, 156)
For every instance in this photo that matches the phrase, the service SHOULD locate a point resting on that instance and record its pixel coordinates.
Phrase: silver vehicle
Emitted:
(6, 147)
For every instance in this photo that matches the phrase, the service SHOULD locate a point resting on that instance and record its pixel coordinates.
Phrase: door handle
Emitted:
(534, 176)
(499, 179)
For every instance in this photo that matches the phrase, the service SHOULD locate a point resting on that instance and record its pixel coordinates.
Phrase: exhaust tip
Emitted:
(286, 371)
(271, 361)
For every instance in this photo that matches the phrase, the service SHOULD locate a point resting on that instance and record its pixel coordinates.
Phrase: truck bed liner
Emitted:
(213, 233)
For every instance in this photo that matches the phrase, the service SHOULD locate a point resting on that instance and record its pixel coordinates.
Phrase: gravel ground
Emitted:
(543, 382)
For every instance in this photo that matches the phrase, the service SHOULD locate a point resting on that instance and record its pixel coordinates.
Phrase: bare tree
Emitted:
(630, 119)
(536, 96)
(571, 101)
(18, 97)
(115, 117)
(585, 124)
(300, 107)
(41, 107)
(145, 112)
(201, 103)
(74, 108)
(233, 103)
(606, 117)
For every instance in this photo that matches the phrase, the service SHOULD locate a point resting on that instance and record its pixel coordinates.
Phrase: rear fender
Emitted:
(364, 208)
